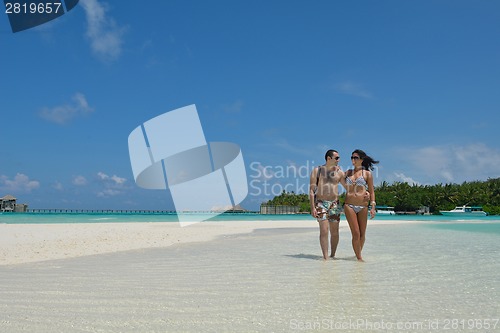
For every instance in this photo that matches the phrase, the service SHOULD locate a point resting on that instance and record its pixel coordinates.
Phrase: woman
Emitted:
(358, 183)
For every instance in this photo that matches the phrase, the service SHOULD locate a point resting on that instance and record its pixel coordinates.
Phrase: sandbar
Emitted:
(24, 243)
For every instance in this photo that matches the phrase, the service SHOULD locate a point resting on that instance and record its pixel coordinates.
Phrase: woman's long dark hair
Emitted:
(368, 161)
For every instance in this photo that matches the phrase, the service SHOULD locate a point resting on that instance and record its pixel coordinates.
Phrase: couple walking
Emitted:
(324, 199)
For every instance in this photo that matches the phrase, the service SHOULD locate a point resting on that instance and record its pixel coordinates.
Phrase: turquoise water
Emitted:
(43, 218)
(488, 228)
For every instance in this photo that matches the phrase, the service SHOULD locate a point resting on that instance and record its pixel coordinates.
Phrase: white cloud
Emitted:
(111, 179)
(350, 88)
(405, 178)
(456, 163)
(118, 180)
(113, 185)
(65, 113)
(79, 181)
(102, 176)
(261, 172)
(58, 186)
(106, 37)
(233, 108)
(20, 183)
(108, 193)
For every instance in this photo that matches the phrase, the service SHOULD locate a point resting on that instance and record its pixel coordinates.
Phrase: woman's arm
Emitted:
(371, 190)
(342, 178)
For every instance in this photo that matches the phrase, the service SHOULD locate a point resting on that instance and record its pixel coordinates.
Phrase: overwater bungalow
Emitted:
(9, 203)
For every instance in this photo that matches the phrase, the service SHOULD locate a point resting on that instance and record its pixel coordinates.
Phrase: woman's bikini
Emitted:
(360, 181)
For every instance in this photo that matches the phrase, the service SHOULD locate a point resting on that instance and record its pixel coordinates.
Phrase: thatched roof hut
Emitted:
(8, 197)
(7, 203)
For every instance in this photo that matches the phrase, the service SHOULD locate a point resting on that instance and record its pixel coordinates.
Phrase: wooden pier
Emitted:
(126, 211)
(278, 209)
(96, 211)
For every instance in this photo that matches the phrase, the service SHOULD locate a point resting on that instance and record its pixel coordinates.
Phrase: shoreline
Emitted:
(28, 243)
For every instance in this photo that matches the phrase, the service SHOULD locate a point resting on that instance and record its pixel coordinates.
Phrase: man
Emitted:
(324, 199)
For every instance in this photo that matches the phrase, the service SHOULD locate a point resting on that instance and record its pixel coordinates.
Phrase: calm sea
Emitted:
(42, 218)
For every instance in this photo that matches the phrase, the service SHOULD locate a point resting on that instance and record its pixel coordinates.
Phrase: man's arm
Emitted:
(312, 190)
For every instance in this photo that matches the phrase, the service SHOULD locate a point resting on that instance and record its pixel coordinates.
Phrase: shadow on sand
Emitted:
(318, 257)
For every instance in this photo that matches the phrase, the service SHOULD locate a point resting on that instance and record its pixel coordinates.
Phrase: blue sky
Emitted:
(413, 83)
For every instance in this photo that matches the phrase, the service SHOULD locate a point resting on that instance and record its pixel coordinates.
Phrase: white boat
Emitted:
(464, 211)
(385, 210)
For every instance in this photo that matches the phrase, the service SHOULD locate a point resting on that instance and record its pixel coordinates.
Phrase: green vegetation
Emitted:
(406, 197)
(291, 199)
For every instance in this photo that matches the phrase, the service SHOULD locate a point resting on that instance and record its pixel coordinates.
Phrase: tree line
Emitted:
(405, 197)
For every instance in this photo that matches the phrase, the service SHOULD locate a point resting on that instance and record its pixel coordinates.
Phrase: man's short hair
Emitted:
(329, 153)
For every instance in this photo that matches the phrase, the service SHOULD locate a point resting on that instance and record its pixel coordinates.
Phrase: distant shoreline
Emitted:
(129, 211)
(174, 213)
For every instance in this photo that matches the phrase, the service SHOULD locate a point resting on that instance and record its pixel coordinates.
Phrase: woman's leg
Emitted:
(352, 219)
(362, 223)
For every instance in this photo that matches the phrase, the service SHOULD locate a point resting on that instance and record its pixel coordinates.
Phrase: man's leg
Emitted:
(323, 237)
(334, 236)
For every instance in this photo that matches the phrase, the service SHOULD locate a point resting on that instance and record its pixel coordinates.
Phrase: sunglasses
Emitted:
(337, 158)
(355, 157)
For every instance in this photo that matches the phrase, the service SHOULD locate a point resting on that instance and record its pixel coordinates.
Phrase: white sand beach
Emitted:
(23, 243)
(262, 276)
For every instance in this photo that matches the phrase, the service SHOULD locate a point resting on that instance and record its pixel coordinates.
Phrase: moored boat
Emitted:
(385, 210)
(464, 211)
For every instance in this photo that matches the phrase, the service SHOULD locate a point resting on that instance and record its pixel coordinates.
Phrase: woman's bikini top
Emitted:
(360, 181)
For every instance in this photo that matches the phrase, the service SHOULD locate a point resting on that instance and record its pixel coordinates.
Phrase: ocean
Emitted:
(41, 218)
